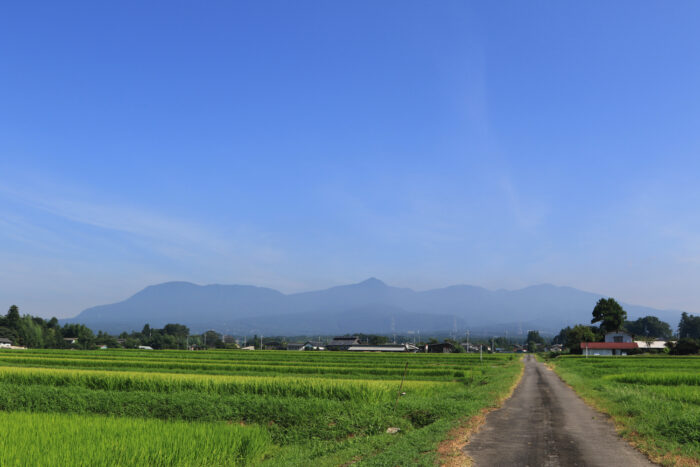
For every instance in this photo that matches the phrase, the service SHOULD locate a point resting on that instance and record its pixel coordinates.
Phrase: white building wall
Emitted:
(622, 337)
(595, 352)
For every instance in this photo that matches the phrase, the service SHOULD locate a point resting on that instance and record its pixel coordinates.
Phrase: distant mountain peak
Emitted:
(372, 282)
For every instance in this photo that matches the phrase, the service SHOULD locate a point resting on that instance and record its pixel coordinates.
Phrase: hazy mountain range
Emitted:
(369, 306)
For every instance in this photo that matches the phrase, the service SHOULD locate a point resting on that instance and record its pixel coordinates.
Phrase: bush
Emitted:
(686, 346)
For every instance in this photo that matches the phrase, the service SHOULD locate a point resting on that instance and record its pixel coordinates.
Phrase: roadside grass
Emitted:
(654, 401)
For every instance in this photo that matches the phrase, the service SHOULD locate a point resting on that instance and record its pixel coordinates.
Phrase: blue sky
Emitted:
(300, 145)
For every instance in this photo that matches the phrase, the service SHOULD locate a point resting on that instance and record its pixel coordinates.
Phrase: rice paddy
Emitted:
(122, 407)
(654, 400)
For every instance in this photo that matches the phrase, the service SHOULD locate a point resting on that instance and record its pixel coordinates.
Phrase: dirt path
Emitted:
(545, 423)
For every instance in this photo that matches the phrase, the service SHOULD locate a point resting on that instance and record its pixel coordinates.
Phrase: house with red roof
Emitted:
(616, 343)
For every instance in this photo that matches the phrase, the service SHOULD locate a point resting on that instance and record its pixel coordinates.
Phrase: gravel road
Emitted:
(545, 423)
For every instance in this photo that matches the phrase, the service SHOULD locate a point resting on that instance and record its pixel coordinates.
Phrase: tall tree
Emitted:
(609, 314)
(649, 326)
(571, 338)
(534, 340)
(689, 326)
(13, 317)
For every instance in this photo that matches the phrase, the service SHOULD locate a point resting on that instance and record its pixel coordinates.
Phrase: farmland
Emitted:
(123, 407)
(654, 400)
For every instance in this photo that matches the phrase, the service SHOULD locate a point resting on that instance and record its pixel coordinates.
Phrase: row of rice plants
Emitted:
(223, 368)
(335, 389)
(291, 357)
(655, 400)
(365, 361)
(61, 440)
(671, 378)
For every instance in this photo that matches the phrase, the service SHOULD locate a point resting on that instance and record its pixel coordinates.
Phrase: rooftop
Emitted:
(609, 345)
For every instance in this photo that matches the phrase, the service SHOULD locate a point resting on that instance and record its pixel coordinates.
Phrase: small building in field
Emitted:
(145, 347)
(607, 348)
(343, 343)
(5, 343)
(70, 340)
(308, 345)
(556, 348)
(651, 345)
(248, 347)
(469, 347)
(313, 345)
(274, 346)
(384, 348)
(443, 347)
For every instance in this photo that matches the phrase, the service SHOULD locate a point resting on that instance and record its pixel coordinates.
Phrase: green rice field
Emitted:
(277, 408)
(654, 400)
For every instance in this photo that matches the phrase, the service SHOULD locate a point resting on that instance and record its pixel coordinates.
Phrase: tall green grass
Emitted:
(72, 440)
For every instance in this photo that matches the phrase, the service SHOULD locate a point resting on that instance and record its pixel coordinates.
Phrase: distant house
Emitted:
(556, 348)
(70, 340)
(308, 345)
(443, 347)
(616, 343)
(343, 343)
(5, 343)
(249, 347)
(274, 346)
(469, 347)
(384, 348)
(313, 345)
(145, 347)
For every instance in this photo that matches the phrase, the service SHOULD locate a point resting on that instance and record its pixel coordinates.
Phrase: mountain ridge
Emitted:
(367, 306)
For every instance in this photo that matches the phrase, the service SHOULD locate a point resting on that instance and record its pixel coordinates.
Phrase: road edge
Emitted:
(635, 442)
(451, 449)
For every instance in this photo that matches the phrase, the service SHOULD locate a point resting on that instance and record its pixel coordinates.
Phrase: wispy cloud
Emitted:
(168, 235)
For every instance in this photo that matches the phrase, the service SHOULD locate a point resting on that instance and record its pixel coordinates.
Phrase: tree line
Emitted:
(38, 333)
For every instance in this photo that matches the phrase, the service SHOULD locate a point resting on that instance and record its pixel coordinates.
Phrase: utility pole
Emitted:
(481, 353)
(467, 340)
(261, 337)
